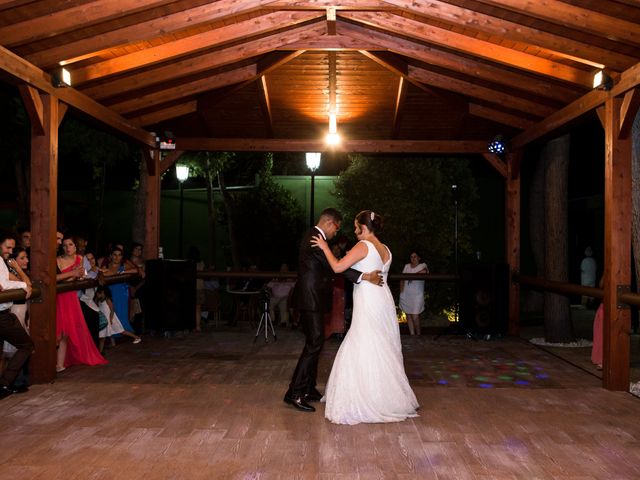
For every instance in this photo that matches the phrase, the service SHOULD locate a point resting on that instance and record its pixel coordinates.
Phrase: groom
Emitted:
(312, 297)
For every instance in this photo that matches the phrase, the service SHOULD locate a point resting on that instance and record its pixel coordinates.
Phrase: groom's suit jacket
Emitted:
(313, 289)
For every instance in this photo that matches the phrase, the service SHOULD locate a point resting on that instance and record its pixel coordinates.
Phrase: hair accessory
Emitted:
(372, 215)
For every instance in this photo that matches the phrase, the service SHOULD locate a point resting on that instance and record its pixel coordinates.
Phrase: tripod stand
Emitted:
(454, 325)
(265, 320)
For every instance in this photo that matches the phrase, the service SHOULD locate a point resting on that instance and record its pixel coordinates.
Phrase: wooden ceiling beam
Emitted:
(471, 46)
(61, 21)
(398, 107)
(331, 20)
(628, 111)
(574, 17)
(347, 146)
(493, 25)
(265, 104)
(201, 63)
(185, 90)
(76, 50)
(34, 107)
(339, 5)
(23, 71)
(168, 113)
(497, 163)
(628, 80)
(477, 91)
(189, 45)
(500, 116)
(458, 63)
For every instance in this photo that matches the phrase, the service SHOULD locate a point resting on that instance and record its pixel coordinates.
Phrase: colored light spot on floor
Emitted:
(521, 382)
(542, 376)
(443, 382)
(481, 378)
(505, 378)
(485, 385)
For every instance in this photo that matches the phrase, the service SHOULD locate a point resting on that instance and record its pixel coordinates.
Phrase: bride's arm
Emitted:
(354, 255)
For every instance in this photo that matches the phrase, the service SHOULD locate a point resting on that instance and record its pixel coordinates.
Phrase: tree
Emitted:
(271, 221)
(415, 197)
(557, 314)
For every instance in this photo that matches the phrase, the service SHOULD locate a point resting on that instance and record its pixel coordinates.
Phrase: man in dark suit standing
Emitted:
(312, 295)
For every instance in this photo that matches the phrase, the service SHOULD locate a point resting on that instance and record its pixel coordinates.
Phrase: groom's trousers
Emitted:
(304, 376)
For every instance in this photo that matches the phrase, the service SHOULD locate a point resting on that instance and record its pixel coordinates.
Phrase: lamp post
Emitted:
(182, 173)
(313, 162)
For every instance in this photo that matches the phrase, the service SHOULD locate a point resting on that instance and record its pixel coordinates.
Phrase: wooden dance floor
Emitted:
(209, 406)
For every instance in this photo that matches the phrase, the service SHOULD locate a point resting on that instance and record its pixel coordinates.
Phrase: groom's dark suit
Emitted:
(312, 297)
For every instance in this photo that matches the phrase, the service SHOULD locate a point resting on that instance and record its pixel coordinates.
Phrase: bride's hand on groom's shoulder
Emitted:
(318, 241)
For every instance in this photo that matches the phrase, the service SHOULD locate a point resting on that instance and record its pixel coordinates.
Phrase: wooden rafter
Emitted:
(167, 113)
(186, 90)
(500, 116)
(191, 44)
(397, 111)
(478, 91)
(461, 64)
(575, 17)
(471, 46)
(201, 63)
(265, 105)
(560, 45)
(25, 72)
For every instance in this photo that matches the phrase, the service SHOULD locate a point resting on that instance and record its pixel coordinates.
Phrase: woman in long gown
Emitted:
(75, 345)
(368, 383)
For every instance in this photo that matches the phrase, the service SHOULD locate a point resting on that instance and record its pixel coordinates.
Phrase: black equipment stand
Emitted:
(454, 327)
(265, 320)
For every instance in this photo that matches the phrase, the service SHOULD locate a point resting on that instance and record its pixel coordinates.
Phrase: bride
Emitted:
(367, 383)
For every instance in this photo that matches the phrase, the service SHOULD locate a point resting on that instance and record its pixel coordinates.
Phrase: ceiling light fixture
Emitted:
(61, 78)
(333, 138)
(602, 81)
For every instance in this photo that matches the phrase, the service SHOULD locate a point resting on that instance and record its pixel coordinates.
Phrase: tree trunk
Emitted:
(139, 206)
(211, 209)
(635, 195)
(534, 300)
(228, 205)
(557, 314)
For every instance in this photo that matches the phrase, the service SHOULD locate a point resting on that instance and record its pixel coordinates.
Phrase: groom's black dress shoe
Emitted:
(299, 403)
(313, 396)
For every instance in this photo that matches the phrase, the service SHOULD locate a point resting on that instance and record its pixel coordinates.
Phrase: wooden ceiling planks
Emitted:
(479, 66)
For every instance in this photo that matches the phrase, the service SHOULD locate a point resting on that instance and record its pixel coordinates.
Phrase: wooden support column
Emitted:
(152, 202)
(512, 241)
(617, 250)
(44, 216)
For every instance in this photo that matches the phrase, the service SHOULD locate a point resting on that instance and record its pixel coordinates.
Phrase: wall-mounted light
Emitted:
(61, 78)
(333, 138)
(602, 81)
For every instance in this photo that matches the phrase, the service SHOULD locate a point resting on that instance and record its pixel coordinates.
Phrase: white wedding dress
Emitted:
(367, 383)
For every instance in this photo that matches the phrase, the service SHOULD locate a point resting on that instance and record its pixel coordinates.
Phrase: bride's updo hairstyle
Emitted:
(372, 220)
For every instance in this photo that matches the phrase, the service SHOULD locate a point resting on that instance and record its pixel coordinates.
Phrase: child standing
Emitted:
(109, 321)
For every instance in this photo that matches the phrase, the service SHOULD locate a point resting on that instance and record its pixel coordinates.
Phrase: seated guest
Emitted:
(119, 291)
(10, 328)
(280, 289)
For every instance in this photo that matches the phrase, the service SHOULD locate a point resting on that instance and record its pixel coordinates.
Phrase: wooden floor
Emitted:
(209, 406)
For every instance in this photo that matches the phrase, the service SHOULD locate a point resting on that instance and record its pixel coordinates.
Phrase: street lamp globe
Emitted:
(313, 160)
(182, 172)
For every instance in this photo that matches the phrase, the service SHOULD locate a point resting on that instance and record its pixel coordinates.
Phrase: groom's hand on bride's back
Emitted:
(374, 277)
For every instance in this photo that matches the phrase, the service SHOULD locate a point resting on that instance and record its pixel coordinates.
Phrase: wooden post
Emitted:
(152, 216)
(617, 250)
(512, 232)
(44, 215)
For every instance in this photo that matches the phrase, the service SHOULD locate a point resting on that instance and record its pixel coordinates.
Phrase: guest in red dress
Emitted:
(75, 345)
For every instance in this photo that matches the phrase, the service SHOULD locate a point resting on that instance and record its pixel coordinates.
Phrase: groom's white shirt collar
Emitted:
(321, 232)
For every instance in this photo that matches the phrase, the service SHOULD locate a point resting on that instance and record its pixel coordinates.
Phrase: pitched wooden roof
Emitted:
(439, 70)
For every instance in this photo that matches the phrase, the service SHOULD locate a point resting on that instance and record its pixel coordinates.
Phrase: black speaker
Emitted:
(170, 287)
(484, 298)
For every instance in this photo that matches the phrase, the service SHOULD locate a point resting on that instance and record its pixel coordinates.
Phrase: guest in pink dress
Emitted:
(75, 345)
